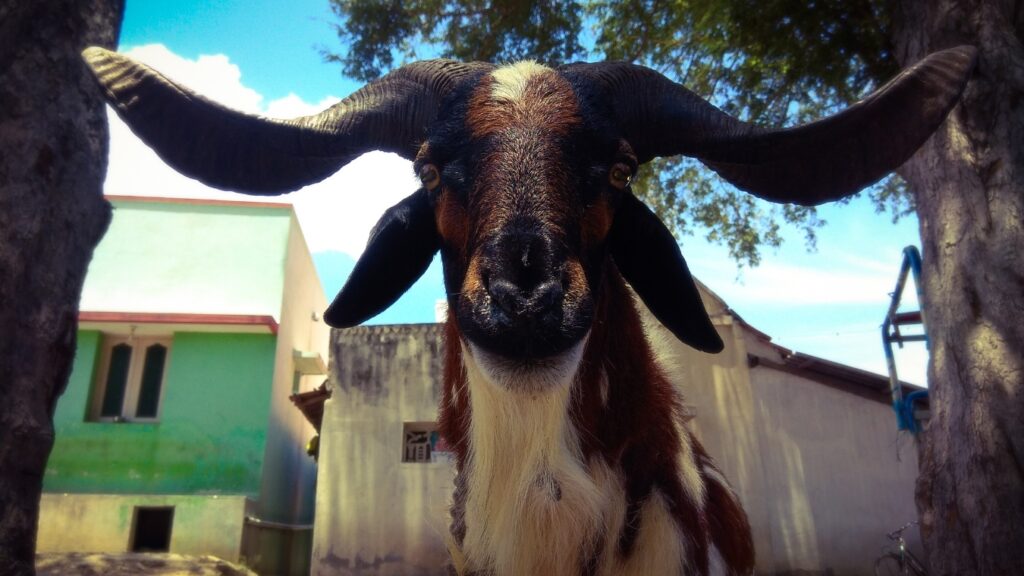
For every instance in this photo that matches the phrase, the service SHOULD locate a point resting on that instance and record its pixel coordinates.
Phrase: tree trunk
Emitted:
(968, 182)
(53, 158)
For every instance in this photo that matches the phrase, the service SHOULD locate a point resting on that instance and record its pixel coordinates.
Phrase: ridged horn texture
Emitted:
(230, 150)
(809, 164)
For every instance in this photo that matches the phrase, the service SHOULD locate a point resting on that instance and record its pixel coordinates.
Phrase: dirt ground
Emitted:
(88, 564)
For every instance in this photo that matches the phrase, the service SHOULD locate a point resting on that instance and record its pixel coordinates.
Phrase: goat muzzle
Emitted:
(525, 305)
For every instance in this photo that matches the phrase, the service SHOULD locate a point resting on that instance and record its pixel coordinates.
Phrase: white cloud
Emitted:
(780, 283)
(338, 213)
(291, 106)
(828, 304)
(859, 344)
(840, 273)
(335, 214)
(213, 76)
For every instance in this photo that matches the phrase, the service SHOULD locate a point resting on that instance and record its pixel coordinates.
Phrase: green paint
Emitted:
(74, 403)
(211, 434)
(152, 381)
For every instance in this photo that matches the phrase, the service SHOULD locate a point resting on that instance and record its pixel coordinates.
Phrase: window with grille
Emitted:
(130, 382)
(423, 443)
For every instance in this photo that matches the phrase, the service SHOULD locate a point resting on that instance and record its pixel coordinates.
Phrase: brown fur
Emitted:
(727, 521)
(634, 432)
(548, 101)
(525, 175)
(625, 410)
(597, 221)
(637, 429)
(455, 411)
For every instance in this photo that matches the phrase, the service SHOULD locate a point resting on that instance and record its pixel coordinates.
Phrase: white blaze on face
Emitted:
(510, 81)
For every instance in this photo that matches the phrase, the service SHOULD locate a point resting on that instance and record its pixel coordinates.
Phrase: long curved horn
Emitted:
(234, 151)
(810, 164)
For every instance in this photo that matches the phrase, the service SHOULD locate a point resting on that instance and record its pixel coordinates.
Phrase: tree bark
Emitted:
(968, 183)
(53, 158)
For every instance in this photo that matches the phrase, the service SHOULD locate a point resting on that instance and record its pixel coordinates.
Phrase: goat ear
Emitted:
(649, 259)
(400, 249)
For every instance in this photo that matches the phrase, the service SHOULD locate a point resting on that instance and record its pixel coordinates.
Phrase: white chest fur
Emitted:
(534, 507)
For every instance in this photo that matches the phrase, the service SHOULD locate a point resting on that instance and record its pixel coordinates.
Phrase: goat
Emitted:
(571, 455)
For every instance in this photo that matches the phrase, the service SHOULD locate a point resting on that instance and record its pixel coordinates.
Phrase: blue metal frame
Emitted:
(904, 406)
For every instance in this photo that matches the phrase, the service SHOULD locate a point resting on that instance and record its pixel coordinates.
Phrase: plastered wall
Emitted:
(814, 464)
(375, 514)
(202, 524)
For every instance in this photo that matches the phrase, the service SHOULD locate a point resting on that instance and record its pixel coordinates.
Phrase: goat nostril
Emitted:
(548, 295)
(516, 300)
(507, 296)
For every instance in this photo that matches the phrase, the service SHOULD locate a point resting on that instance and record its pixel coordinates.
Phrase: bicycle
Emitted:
(901, 562)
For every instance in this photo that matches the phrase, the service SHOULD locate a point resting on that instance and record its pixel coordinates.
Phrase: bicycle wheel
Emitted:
(889, 565)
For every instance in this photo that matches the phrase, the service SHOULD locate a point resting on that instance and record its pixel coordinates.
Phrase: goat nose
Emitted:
(507, 296)
(521, 272)
(516, 300)
(522, 262)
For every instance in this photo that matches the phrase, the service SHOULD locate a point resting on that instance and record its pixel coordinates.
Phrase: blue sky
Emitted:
(262, 57)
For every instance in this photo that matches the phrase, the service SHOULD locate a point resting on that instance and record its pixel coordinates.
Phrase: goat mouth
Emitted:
(528, 375)
(524, 340)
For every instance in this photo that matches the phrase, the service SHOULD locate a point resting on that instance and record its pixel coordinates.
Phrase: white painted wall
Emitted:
(814, 464)
(195, 258)
(373, 511)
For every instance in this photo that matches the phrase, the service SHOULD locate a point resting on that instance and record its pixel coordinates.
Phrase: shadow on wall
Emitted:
(791, 508)
(717, 388)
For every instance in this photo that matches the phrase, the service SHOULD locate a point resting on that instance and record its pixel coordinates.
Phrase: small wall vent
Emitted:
(151, 529)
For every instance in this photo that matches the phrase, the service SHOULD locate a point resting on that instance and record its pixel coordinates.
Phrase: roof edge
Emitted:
(831, 373)
(180, 318)
(198, 201)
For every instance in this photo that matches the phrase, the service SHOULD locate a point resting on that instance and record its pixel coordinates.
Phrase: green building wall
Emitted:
(211, 435)
(227, 452)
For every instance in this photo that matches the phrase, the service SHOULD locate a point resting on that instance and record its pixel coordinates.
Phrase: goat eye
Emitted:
(429, 176)
(620, 175)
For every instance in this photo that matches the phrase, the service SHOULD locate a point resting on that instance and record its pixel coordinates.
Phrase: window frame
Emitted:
(435, 456)
(133, 383)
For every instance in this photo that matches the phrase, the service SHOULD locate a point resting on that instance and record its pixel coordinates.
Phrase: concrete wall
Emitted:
(813, 460)
(210, 437)
(834, 485)
(375, 514)
(103, 523)
(288, 485)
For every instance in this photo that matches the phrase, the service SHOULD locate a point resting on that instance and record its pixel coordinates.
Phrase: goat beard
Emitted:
(527, 375)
